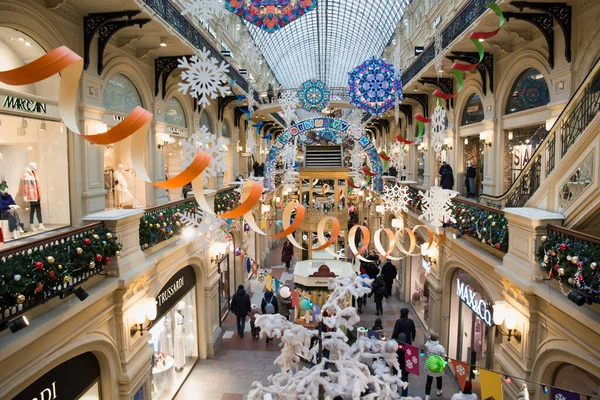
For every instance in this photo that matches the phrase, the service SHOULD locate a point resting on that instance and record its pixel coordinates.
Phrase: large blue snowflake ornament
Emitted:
(374, 86)
(314, 95)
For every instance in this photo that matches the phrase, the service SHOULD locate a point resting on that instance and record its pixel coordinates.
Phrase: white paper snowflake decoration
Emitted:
(203, 228)
(289, 104)
(438, 125)
(438, 58)
(251, 99)
(289, 156)
(290, 180)
(356, 158)
(437, 206)
(398, 152)
(203, 9)
(203, 77)
(395, 198)
(216, 147)
(250, 140)
(251, 53)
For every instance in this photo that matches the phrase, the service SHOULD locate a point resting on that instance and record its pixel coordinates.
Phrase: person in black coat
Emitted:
(240, 306)
(446, 176)
(406, 326)
(389, 273)
(269, 298)
(380, 292)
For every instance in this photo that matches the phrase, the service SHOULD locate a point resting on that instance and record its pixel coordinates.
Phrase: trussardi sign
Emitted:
(478, 305)
(19, 104)
(174, 290)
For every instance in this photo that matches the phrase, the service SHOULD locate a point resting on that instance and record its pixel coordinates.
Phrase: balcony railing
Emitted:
(227, 199)
(485, 224)
(571, 258)
(34, 272)
(583, 107)
(161, 223)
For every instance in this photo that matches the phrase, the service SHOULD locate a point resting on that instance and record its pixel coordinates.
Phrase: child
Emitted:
(378, 327)
(255, 330)
(403, 174)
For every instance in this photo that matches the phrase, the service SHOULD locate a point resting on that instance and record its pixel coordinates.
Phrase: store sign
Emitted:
(520, 157)
(26, 105)
(174, 290)
(58, 383)
(176, 131)
(419, 50)
(478, 305)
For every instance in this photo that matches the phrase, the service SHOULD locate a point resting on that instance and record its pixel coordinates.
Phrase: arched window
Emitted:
(225, 131)
(205, 120)
(573, 378)
(473, 111)
(529, 91)
(121, 95)
(174, 114)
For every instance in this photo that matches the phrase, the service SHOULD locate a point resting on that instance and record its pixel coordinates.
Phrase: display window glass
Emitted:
(174, 339)
(473, 111)
(171, 143)
(571, 377)
(419, 287)
(174, 114)
(205, 120)
(34, 157)
(226, 286)
(123, 188)
(529, 91)
(93, 393)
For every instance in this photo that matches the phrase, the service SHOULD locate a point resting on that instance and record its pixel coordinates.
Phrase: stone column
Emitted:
(125, 226)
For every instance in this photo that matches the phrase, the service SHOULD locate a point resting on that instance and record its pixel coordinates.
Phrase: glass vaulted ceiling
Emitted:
(330, 40)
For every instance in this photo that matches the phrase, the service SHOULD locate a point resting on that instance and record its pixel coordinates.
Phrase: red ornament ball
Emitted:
(39, 288)
(87, 241)
(556, 267)
(39, 265)
(580, 278)
(563, 246)
(98, 257)
(107, 260)
(498, 246)
(160, 216)
(51, 274)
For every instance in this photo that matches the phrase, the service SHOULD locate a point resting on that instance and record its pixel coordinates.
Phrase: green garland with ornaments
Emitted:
(227, 200)
(31, 277)
(487, 226)
(160, 225)
(572, 262)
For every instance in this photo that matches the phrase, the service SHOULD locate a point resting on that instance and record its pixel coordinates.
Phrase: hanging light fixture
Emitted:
(510, 135)
(163, 42)
(466, 141)
(43, 126)
(24, 123)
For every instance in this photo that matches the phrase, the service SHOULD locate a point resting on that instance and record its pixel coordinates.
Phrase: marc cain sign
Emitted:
(19, 104)
(470, 298)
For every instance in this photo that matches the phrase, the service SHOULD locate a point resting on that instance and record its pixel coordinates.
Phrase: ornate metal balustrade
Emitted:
(578, 114)
(161, 223)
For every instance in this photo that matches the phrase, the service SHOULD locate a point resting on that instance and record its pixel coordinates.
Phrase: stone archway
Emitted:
(334, 130)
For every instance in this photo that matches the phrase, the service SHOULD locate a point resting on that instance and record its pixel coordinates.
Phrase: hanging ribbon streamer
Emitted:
(402, 140)
(385, 159)
(367, 171)
(240, 97)
(257, 127)
(421, 121)
(324, 189)
(134, 127)
(352, 241)
(324, 243)
(248, 112)
(352, 184)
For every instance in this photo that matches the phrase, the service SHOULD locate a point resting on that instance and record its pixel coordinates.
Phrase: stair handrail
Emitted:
(537, 154)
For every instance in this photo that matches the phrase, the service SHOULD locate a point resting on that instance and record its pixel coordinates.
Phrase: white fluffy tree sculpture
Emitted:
(362, 370)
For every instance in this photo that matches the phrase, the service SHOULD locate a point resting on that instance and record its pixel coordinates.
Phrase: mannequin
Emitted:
(8, 211)
(123, 194)
(179, 339)
(31, 193)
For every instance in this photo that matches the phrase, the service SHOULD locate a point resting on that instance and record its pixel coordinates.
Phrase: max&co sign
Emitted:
(174, 290)
(478, 305)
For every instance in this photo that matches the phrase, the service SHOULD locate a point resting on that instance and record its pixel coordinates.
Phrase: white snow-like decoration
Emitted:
(290, 180)
(437, 206)
(438, 58)
(395, 198)
(398, 152)
(356, 158)
(355, 121)
(250, 140)
(203, 77)
(243, 181)
(251, 99)
(203, 9)
(203, 228)
(347, 372)
(216, 147)
(251, 53)
(438, 125)
(289, 104)
(288, 156)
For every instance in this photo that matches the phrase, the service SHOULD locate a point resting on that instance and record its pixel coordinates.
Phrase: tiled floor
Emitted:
(241, 361)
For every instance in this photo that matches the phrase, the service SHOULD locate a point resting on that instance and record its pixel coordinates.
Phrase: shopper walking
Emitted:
(287, 253)
(433, 347)
(269, 305)
(446, 176)
(380, 291)
(284, 301)
(240, 306)
(389, 273)
(254, 330)
(270, 92)
(406, 326)
(466, 394)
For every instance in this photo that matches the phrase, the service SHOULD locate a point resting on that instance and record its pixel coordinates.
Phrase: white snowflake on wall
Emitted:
(289, 104)
(437, 206)
(203, 77)
(438, 125)
(395, 198)
(203, 9)
(216, 147)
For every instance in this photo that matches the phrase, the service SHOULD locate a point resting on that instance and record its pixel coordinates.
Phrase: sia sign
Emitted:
(478, 305)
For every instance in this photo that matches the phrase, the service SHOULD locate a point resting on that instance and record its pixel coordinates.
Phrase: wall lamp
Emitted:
(447, 147)
(507, 315)
(163, 145)
(16, 324)
(79, 292)
(144, 311)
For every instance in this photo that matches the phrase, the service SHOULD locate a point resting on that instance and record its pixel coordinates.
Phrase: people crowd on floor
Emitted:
(405, 332)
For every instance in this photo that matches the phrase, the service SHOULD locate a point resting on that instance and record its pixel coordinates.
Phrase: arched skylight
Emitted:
(330, 40)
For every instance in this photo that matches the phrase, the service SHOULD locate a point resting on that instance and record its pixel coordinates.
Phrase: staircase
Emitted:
(324, 157)
(562, 174)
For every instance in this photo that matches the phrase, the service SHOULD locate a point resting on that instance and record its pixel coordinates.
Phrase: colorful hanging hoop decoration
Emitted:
(373, 86)
(314, 95)
(270, 15)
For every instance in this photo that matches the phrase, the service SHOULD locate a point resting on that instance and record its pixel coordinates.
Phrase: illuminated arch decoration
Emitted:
(374, 86)
(314, 95)
(270, 15)
(335, 131)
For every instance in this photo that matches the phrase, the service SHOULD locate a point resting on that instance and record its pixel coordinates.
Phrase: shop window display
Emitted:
(419, 298)
(34, 197)
(529, 91)
(123, 188)
(174, 341)
(174, 114)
